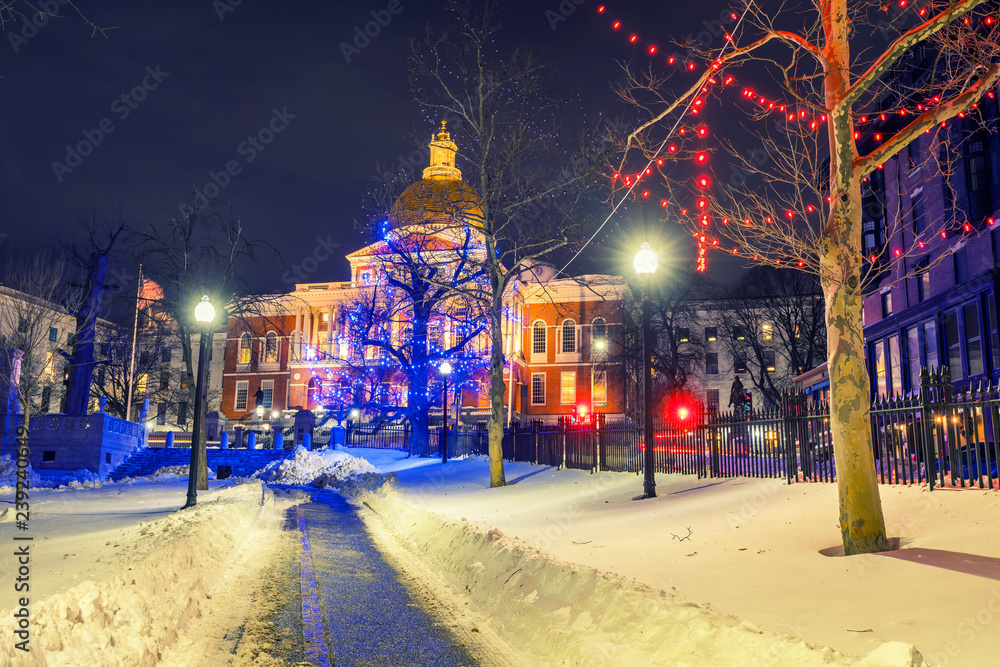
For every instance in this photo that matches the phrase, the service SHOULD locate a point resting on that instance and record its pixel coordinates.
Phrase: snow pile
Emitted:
(166, 569)
(175, 472)
(599, 617)
(322, 468)
(8, 473)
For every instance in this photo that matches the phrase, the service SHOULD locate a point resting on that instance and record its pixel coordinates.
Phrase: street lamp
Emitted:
(445, 369)
(645, 266)
(204, 313)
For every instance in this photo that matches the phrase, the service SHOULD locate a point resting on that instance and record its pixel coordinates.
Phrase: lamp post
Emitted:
(445, 369)
(204, 313)
(645, 266)
(260, 421)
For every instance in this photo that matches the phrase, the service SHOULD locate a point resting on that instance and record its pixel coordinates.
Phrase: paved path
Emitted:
(368, 616)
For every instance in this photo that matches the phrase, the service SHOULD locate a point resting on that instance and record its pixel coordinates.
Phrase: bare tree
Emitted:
(418, 312)
(90, 257)
(773, 322)
(202, 251)
(830, 81)
(31, 321)
(529, 180)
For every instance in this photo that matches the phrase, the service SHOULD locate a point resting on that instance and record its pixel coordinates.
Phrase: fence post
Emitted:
(595, 465)
(926, 419)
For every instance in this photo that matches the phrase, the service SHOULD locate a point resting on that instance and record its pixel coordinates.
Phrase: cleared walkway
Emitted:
(368, 616)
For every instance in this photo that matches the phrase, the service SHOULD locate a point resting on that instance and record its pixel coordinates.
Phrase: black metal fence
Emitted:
(938, 437)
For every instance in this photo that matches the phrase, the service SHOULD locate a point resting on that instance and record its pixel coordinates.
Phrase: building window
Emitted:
(182, 414)
(53, 334)
(961, 261)
(267, 387)
(739, 332)
(878, 353)
(886, 303)
(48, 456)
(161, 414)
(991, 325)
(599, 333)
(568, 336)
(271, 348)
(973, 340)
(246, 347)
(712, 398)
(767, 332)
(683, 334)
(538, 338)
(600, 390)
(739, 365)
(567, 387)
(952, 343)
(769, 361)
(242, 389)
(164, 380)
(913, 356)
(923, 275)
(538, 388)
(981, 176)
(930, 344)
(917, 213)
(913, 154)
(711, 363)
(46, 398)
(895, 366)
(711, 334)
(165, 355)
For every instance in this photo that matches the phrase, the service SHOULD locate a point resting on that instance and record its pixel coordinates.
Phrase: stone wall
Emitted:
(97, 442)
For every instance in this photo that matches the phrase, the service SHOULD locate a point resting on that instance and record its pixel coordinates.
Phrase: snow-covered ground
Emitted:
(746, 548)
(566, 566)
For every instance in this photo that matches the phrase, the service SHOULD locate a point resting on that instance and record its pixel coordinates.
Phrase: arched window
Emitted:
(246, 348)
(568, 336)
(538, 337)
(599, 334)
(314, 391)
(271, 348)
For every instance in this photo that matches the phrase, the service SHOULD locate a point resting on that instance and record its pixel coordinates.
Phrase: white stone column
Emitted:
(330, 315)
(297, 336)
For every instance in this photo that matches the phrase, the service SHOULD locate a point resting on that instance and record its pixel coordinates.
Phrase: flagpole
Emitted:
(131, 361)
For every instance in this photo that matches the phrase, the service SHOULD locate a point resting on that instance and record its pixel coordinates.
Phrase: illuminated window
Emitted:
(711, 334)
(567, 384)
(599, 333)
(767, 332)
(769, 361)
(242, 389)
(271, 348)
(246, 347)
(683, 335)
(538, 338)
(267, 388)
(538, 388)
(568, 336)
(600, 396)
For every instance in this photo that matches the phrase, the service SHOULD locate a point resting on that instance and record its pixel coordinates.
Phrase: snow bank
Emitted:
(167, 569)
(573, 614)
(322, 468)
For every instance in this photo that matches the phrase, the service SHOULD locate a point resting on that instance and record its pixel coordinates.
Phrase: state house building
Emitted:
(562, 337)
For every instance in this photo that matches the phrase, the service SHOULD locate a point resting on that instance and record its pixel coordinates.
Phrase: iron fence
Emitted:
(937, 436)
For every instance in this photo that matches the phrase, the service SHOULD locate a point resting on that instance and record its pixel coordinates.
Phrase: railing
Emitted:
(938, 437)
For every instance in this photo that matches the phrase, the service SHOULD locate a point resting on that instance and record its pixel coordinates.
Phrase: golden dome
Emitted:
(441, 197)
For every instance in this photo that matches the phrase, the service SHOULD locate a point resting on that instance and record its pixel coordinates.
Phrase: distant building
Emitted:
(931, 234)
(560, 337)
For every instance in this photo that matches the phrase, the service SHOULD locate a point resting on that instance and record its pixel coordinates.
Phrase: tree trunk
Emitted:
(497, 389)
(862, 525)
(81, 367)
(420, 444)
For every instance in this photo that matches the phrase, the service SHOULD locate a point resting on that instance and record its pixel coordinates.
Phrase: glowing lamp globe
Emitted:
(445, 368)
(204, 311)
(260, 411)
(645, 260)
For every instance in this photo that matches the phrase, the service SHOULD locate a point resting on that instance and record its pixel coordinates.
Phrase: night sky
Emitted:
(211, 74)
